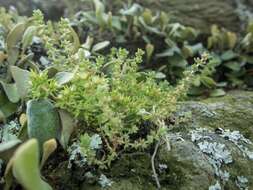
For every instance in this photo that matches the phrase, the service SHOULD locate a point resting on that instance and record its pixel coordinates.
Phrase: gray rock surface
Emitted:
(201, 14)
(210, 147)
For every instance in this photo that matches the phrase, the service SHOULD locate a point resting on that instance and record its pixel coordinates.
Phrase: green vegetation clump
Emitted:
(98, 102)
(113, 99)
(108, 95)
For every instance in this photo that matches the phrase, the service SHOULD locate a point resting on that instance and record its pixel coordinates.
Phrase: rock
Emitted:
(201, 14)
(53, 9)
(203, 158)
(212, 143)
(233, 111)
(209, 147)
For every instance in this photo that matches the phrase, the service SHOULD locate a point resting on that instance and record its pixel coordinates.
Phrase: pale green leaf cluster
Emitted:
(112, 98)
(108, 95)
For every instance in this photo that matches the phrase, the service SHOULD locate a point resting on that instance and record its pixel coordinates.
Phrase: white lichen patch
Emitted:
(217, 152)
(242, 183)
(9, 131)
(216, 186)
(104, 181)
(219, 155)
(240, 141)
(76, 156)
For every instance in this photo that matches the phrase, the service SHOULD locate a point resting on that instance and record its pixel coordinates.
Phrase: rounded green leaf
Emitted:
(42, 120)
(21, 78)
(217, 93)
(11, 91)
(13, 38)
(25, 167)
(7, 108)
(100, 46)
(76, 41)
(132, 11)
(68, 126)
(48, 148)
(63, 77)
(28, 36)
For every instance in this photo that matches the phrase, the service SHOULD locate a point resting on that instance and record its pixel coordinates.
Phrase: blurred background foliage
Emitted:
(171, 32)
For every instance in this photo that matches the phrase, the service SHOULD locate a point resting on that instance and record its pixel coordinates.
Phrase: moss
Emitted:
(240, 167)
(132, 165)
(59, 176)
(124, 184)
(233, 111)
(186, 169)
(134, 172)
(175, 176)
(129, 172)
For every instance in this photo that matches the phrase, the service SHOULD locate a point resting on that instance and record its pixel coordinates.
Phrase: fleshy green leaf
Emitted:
(8, 176)
(42, 120)
(100, 46)
(100, 12)
(149, 28)
(133, 10)
(196, 82)
(207, 81)
(178, 61)
(7, 108)
(12, 40)
(190, 51)
(28, 36)
(21, 78)
(228, 55)
(233, 66)
(217, 93)
(168, 52)
(25, 166)
(231, 39)
(149, 50)
(68, 126)
(11, 91)
(76, 42)
(63, 77)
(48, 148)
(160, 75)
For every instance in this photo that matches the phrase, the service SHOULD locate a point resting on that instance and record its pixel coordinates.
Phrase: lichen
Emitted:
(104, 181)
(234, 112)
(242, 183)
(76, 156)
(9, 131)
(216, 186)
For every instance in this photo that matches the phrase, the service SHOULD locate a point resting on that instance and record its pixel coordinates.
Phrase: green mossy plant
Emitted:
(108, 95)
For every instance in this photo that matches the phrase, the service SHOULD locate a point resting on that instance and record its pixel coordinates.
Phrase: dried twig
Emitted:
(153, 165)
